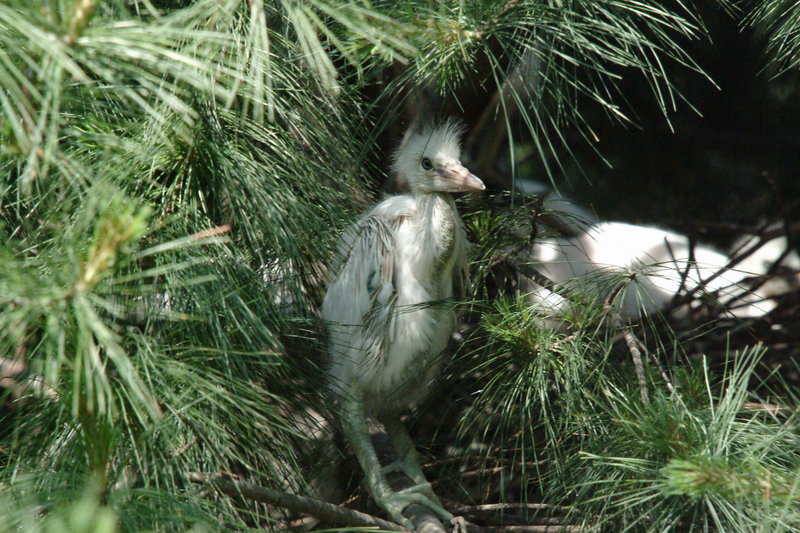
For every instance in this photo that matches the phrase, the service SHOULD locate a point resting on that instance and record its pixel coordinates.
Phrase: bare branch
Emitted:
(527, 529)
(627, 333)
(300, 504)
(638, 363)
(763, 236)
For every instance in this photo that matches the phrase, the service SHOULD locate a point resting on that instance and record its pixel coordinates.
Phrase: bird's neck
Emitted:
(438, 219)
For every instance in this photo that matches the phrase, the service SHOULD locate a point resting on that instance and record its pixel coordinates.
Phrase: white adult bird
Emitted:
(386, 308)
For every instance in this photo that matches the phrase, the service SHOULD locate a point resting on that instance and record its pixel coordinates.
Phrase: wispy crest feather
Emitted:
(444, 136)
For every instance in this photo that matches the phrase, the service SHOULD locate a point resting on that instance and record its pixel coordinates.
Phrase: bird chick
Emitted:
(386, 306)
(652, 265)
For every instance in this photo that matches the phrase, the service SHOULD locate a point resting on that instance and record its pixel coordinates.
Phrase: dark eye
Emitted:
(426, 163)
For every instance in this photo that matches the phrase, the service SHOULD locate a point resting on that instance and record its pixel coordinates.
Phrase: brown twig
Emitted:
(638, 363)
(739, 255)
(754, 283)
(510, 514)
(664, 376)
(490, 507)
(491, 129)
(627, 333)
(689, 262)
(211, 232)
(560, 528)
(300, 504)
(527, 270)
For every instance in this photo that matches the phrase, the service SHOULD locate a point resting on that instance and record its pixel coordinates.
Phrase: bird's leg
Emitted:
(409, 460)
(409, 463)
(393, 502)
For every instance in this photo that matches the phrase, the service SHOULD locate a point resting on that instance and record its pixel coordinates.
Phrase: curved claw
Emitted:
(459, 524)
(423, 494)
(423, 486)
(394, 505)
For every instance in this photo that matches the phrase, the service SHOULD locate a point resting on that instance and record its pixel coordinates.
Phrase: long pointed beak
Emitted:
(460, 178)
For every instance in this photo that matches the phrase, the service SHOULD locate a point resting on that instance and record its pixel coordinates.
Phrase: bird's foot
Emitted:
(428, 498)
(408, 467)
(394, 503)
(422, 494)
(411, 469)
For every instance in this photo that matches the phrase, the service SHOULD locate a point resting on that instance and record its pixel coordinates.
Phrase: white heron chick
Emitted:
(384, 305)
(665, 264)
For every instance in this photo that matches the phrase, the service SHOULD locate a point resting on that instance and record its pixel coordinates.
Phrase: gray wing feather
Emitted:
(360, 300)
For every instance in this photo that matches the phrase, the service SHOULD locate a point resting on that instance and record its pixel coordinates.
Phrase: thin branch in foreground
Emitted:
(508, 514)
(747, 249)
(301, 504)
(348, 517)
(664, 376)
(527, 529)
(627, 333)
(633, 347)
(512, 506)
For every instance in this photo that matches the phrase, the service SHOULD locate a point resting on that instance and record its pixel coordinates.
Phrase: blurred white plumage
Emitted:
(663, 262)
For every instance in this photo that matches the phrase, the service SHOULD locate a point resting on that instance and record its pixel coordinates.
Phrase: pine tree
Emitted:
(175, 176)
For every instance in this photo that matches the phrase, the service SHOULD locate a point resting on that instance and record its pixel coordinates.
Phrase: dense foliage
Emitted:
(174, 177)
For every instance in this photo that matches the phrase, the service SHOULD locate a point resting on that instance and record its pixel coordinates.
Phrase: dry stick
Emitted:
(511, 514)
(661, 370)
(340, 515)
(754, 285)
(740, 255)
(756, 282)
(627, 333)
(486, 471)
(636, 354)
(526, 529)
(527, 270)
(681, 287)
(732, 227)
(490, 131)
(301, 504)
(684, 271)
(505, 507)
